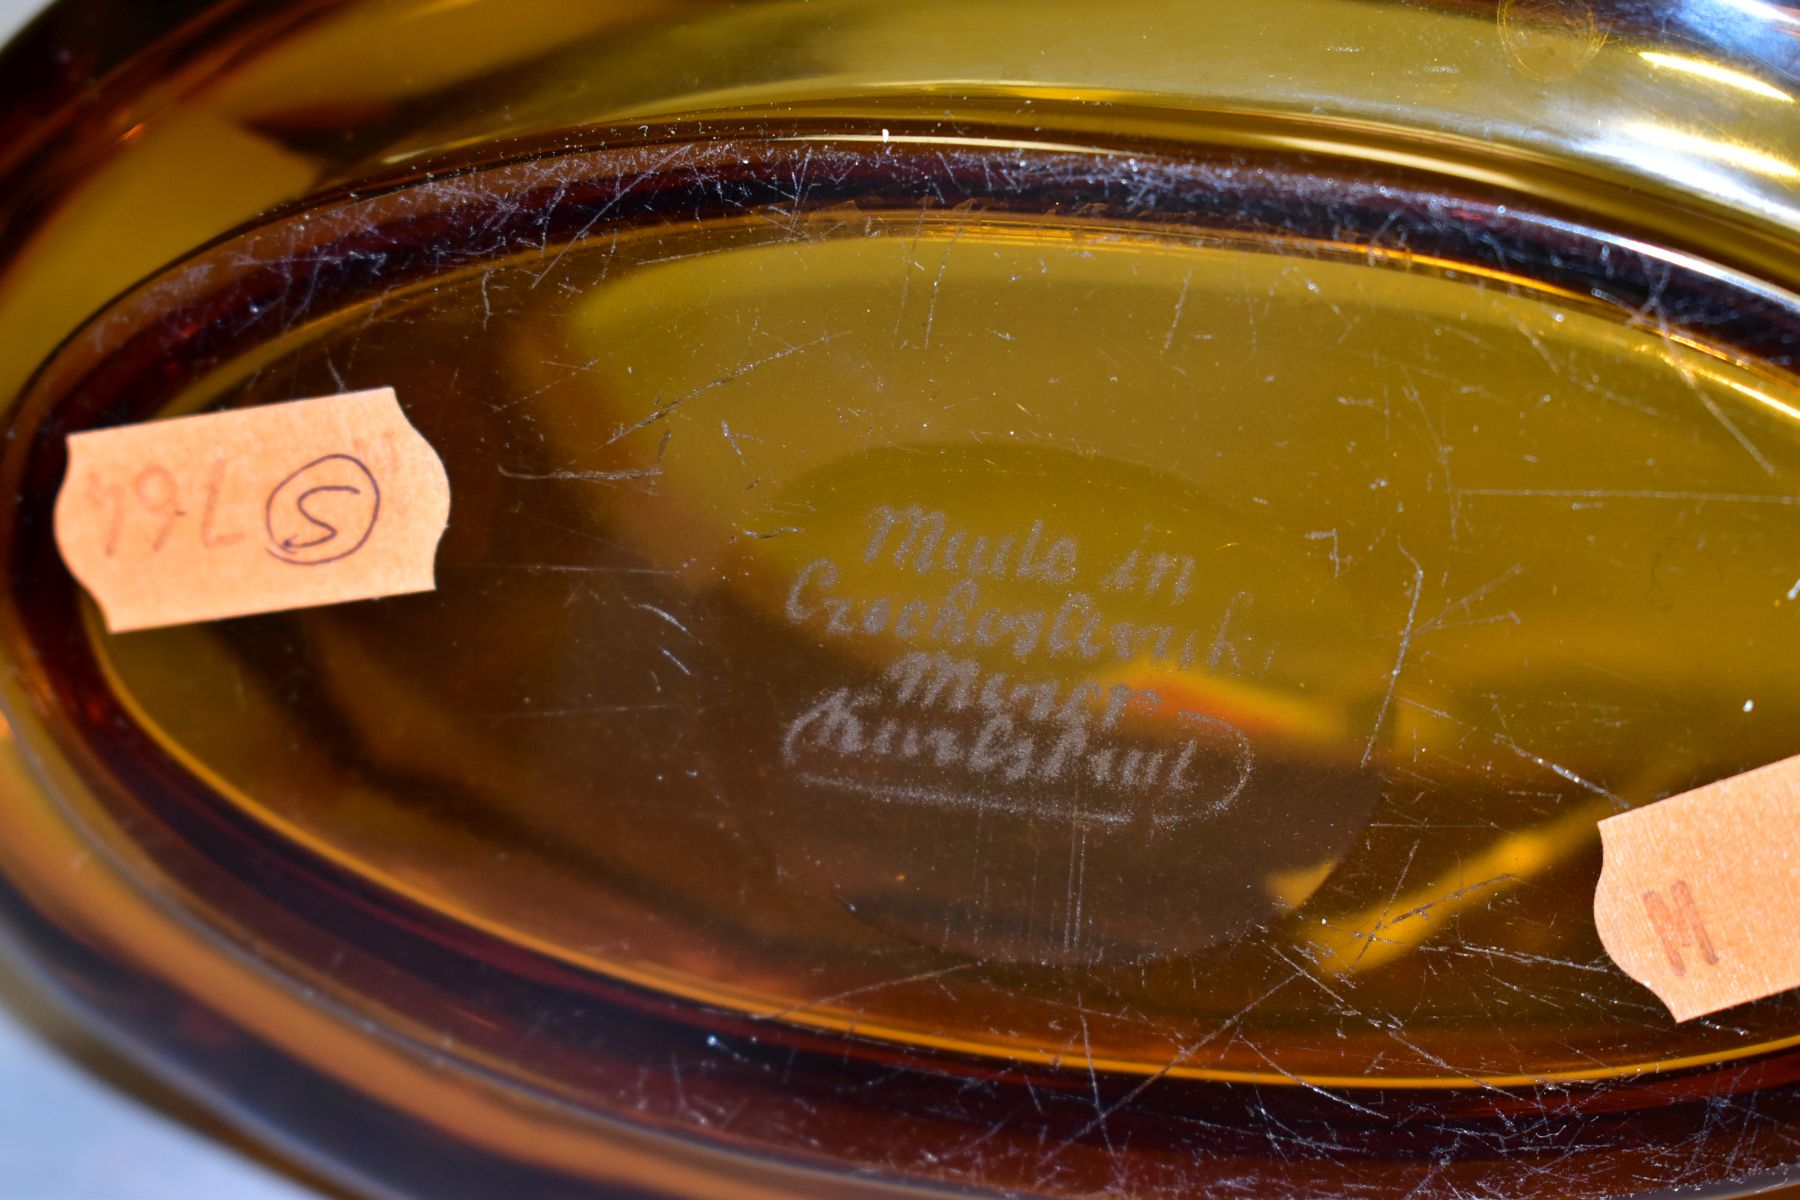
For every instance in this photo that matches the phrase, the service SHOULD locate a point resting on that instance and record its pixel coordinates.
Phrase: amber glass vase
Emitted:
(1041, 598)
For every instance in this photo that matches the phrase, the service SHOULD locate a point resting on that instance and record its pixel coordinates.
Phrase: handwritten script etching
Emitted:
(1005, 693)
(205, 517)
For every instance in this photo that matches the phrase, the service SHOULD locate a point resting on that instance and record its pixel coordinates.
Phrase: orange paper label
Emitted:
(1699, 898)
(255, 510)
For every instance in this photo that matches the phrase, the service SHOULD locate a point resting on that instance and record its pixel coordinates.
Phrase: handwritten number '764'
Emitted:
(155, 493)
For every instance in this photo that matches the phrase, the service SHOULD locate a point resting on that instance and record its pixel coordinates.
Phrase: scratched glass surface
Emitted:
(1032, 601)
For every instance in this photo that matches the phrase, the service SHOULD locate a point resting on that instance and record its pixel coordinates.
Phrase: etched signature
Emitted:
(943, 728)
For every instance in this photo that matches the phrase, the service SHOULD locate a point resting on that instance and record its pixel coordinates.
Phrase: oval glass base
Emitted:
(1058, 660)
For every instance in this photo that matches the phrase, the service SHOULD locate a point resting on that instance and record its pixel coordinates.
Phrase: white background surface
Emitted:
(75, 1123)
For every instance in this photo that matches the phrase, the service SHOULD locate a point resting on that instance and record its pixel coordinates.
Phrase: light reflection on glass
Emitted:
(1757, 36)
(1356, 943)
(1715, 73)
(1764, 12)
(1701, 146)
(1763, 398)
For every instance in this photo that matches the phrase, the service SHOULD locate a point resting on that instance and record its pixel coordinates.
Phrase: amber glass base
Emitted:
(1057, 631)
